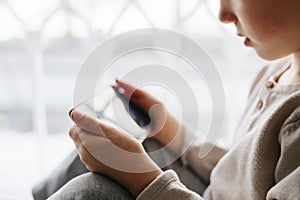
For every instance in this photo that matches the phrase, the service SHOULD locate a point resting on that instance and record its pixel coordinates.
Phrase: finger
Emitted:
(129, 90)
(87, 123)
(93, 126)
(74, 133)
(84, 154)
(139, 97)
(97, 150)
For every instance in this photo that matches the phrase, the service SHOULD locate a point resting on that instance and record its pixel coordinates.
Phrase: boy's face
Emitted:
(271, 27)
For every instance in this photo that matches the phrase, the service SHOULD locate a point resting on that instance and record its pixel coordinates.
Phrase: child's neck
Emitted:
(292, 75)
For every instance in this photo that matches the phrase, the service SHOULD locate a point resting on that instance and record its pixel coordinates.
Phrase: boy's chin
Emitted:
(268, 55)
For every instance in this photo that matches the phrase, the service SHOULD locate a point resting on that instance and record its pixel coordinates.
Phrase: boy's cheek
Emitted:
(274, 24)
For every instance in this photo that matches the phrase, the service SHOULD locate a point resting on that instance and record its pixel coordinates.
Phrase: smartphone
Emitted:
(140, 117)
(98, 105)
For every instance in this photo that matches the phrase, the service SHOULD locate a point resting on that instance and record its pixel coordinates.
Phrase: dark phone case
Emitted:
(138, 115)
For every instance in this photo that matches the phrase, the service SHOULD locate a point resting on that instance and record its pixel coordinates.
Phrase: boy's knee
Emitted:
(92, 186)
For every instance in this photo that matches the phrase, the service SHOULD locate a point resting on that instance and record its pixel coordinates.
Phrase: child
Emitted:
(264, 164)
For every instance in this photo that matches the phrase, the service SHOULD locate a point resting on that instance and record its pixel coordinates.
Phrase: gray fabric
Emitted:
(92, 186)
(73, 167)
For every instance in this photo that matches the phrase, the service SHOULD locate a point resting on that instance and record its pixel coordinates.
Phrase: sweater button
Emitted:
(259, 105)
(269, 84)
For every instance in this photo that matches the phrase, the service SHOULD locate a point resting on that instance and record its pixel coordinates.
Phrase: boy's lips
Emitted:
(246, 41)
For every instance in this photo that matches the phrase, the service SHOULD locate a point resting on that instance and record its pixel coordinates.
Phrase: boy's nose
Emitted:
(225, 13)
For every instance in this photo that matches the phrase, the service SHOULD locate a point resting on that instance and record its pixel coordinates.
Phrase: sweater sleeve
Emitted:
(287, 172)
(287, 188)
(167, 186)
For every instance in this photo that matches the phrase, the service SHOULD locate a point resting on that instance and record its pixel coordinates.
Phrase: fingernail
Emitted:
(117, 80)
(75, 115)
(70, 112)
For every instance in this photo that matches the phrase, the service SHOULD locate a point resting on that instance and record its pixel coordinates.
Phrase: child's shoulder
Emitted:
(293, 119)
(288, 115)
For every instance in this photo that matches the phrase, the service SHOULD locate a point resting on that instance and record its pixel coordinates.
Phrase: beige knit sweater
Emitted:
(263, 164)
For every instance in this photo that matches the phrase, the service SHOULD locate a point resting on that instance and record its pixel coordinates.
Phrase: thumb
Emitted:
(87, 123)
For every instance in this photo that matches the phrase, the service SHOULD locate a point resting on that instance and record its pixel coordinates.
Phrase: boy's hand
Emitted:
(164, 126)
(106, 150)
